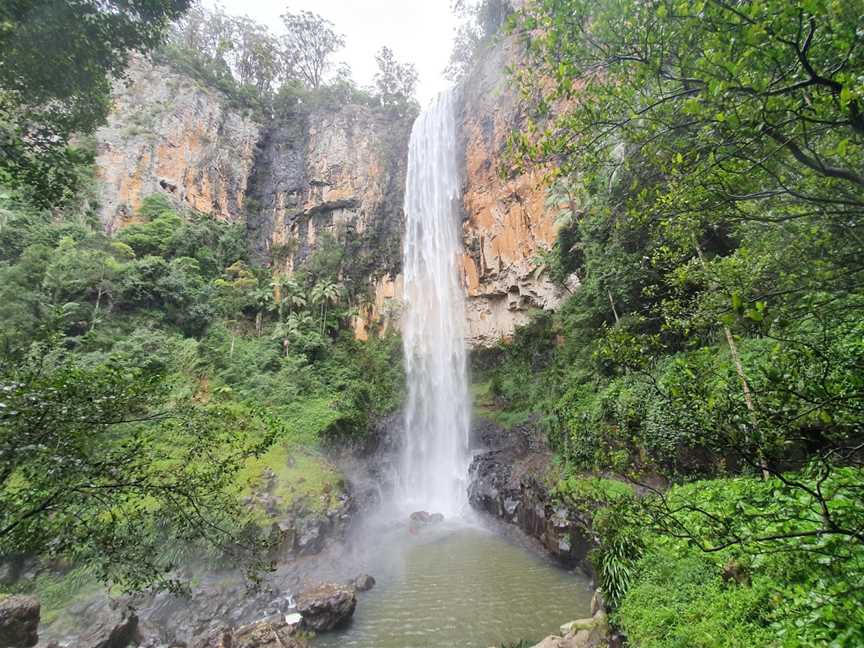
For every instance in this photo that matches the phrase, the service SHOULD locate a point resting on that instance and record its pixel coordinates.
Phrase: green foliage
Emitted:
(479, 21)
(209, 370)
(100, 469)
(764, 582)
(396, 84)
(57, 62)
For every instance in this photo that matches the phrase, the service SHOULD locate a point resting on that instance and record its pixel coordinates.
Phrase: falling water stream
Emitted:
(456, 583)
(437, 414)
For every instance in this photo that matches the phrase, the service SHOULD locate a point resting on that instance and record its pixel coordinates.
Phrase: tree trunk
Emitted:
(745, 385)
(612, 302)
(96, 308)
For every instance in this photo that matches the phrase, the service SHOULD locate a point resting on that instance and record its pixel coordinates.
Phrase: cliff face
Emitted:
(169, 134)
(340, 171)
(506, 224)
(299, 178)
(336, 169)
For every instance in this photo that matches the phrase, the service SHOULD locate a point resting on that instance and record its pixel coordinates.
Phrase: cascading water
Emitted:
(434, 462)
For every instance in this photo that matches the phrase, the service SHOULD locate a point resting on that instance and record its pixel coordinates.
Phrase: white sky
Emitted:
(418, 32)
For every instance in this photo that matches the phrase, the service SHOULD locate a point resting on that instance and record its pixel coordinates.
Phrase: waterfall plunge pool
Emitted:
(459, 585)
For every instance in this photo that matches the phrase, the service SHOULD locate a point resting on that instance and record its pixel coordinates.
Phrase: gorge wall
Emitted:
(296, 177)
(291, 178)
(506, 223)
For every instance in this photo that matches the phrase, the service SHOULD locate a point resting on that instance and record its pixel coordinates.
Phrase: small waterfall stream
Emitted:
(434, 461)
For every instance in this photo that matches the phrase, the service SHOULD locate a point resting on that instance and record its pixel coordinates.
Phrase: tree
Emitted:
(229, 48)
(395, 83)
(324, 293)
(479, 22)
(234, 293)
(746, 111)
(57, 61)
(98, 467)
(728, 137)
(308, 45)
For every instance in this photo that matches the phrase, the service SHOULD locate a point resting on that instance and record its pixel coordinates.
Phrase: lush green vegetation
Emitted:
(704, 158)
(292, 71)
(153, 380)
(157, 368)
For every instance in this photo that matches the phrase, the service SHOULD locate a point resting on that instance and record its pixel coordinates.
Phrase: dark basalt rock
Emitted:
(118, 630)
(506, 482)
(363, 583)
(326, 607)
(19, 621)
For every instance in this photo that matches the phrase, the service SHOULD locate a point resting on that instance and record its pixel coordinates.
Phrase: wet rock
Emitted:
(326, 606)
(419, 516)
(273, 632)
(310, 536)
(592, 632)
(598, 603)
(219, 638)
(19, 621)
(118, 629)
(506, 483)
(421, 519)
(364, 583)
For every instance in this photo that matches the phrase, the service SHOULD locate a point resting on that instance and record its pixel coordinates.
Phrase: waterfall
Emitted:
(434, 462)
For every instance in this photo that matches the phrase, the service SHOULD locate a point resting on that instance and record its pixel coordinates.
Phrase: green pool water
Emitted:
(459, 586)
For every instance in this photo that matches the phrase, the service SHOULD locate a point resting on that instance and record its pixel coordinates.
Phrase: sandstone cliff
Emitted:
(506, 224)
(169, 133)
(337, 169)
(289, 178)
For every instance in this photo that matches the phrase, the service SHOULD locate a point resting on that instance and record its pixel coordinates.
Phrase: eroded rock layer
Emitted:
(306, 175)
(506, 222)
(168, 133)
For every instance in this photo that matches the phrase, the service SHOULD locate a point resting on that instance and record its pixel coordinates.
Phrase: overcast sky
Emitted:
(418, 31)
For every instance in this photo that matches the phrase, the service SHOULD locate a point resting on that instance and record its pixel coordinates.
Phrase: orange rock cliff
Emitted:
(338, 170)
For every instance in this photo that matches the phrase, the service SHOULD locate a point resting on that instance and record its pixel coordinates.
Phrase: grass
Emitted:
(486, 406)
(301, 477)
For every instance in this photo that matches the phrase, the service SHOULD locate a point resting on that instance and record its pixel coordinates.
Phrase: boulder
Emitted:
(586, 633)
(420, 516)
(364, 583)
(421, 519)
(117, 630)
(19, 621)
(326, 606)
(273, 632)
(310, 536)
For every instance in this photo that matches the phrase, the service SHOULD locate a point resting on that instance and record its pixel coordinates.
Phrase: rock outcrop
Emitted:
(117, 630)
(337, 170)
(304, 174)
(326, 607)
(592, 632)
(273, 632)
(292, 178)
(19, 621)
(170, 134)
(507, 481)
(506, 222)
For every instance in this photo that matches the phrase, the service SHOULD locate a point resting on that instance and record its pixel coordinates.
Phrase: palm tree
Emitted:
(287, 292)
(263, 298)
(325, 292)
